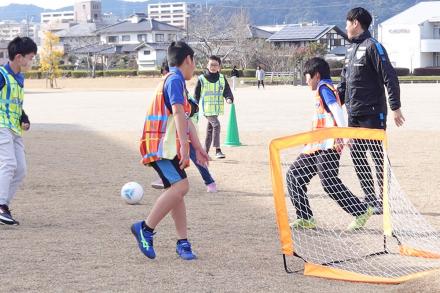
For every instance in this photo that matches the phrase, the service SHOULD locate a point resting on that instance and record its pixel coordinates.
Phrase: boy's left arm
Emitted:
(381, 63)
(227, 93)
(338, 114)
(201, 155)
(24, 121)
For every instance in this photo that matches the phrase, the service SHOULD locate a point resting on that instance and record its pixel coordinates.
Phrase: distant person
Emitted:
(260, 75)
(13, 121)
(367, 70)
(234, 75)
(211, 90)
(203, 170)
(322, 158)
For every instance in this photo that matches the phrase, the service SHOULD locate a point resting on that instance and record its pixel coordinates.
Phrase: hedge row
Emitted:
(85, 73)
(400, 71)
(227, 72)
(35, 74)
(426, 71)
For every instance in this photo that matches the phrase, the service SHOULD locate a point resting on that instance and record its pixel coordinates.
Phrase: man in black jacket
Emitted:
(366, 71)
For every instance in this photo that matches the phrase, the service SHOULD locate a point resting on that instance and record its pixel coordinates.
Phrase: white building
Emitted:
(150, 55)
(11, 29)
(138, 29)
(301, 35)
(58, 17)
(78, 35)
(109, 18)
(412, 37)
(176, 13)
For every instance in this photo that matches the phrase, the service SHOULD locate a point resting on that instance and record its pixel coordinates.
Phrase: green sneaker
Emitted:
(303, 224)
(360, 221)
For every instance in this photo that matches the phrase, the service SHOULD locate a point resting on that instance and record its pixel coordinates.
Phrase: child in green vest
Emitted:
(210, 90)
(12, 121)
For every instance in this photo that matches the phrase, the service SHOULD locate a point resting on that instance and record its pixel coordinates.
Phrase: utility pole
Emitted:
(206, 11)
(27, 25)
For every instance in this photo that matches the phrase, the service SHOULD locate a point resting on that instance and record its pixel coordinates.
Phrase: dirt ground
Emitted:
(83, 146)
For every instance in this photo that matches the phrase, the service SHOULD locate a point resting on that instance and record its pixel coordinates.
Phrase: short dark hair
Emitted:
(215, 58)
(164, 67)
(21, 46)
(177, 52)
(362, 15)
(315, 65)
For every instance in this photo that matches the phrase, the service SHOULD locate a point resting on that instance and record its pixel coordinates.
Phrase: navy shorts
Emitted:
(169, 171)
(376, 121)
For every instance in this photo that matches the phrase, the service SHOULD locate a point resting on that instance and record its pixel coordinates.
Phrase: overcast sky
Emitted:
(48, 4)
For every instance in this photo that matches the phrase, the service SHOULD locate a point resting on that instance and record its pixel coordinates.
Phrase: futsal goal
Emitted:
(336, 192)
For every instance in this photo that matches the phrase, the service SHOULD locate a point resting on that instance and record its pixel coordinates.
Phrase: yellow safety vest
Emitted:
(11, 102)
(212, 101)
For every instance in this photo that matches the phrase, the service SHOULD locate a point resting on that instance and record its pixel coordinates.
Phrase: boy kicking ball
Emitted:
(165, 147)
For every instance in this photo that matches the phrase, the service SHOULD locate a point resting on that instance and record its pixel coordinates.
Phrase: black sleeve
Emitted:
(2, 82)
(381, 63)
(194, 107)
(197, 90)
(342, 86)
(227, 93)
(24, 118)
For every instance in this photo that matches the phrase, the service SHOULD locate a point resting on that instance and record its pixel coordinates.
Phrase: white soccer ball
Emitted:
(132, 192)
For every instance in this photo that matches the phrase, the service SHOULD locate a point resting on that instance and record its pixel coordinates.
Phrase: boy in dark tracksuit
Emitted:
(322, 157)
(210, 90)
(367, 70)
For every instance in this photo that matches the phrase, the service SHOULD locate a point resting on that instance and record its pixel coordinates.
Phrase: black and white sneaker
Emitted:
(6, 217)
(219, 154)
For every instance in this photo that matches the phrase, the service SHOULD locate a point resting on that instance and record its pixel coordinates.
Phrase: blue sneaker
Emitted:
(183, 249)
(144, 239)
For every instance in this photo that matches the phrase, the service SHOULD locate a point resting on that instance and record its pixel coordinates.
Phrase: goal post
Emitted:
(392, 246)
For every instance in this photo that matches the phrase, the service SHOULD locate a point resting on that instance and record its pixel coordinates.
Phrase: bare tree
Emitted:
(210, 34)
(244, 48)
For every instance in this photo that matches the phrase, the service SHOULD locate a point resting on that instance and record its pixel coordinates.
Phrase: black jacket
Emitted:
(234, 72)
(367, 69)
(213, 77)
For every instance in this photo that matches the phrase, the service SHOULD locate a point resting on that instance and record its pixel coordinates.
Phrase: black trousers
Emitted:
(260, 82)
(326, 165)
(359, 151)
